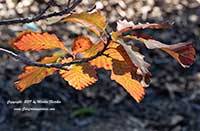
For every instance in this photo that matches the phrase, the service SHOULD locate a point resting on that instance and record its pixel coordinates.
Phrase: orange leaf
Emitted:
(81, 43)
(117, 51)
(85, 50)
(121, 73)
(102, 62)
(93, 50)
(33, 75)
(95, 21)
(113, 52)
(80, 76)
(34, 41)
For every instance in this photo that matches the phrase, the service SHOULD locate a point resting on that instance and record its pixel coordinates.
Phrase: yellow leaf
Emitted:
(121, 73)
(113, 51)
(34, 41)
(95, 21)
(33, 75)
(93, 50)
(80, 76)
(102, 62)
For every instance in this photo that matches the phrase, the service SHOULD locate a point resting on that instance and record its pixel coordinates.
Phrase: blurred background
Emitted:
(171, 103)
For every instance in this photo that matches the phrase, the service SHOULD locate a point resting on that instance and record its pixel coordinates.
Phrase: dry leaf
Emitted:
(121, 73)
(184, 52)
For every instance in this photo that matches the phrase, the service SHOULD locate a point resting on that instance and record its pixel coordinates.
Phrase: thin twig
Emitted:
(68, 3)
(41, 16)
(27, 61)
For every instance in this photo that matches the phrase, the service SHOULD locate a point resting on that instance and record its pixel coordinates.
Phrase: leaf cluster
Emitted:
(111, 52)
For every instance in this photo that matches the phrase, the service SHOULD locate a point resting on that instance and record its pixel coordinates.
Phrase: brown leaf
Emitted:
(183, 52)
(134, 58)
(121, 73)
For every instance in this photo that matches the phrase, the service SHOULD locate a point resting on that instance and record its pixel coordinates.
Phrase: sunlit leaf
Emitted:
(95, 21)
(121, 73)
(105, 60)
(121, 24)
(102, 62)
(93, 50)
(134, 58)
(81, 44)
(86, 49)
(80, 76)
(113, 52)
(33, 75)
(34, 41)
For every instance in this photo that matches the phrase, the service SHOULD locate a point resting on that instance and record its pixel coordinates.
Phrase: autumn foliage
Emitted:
(111, 52)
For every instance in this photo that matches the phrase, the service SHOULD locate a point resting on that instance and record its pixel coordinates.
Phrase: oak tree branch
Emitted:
(41, 15)
(29, 62)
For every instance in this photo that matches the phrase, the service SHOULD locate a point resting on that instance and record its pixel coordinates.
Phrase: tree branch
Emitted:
(41, 15)
(28, 62)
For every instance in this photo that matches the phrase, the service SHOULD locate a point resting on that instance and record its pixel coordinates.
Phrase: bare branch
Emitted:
(41, 15)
